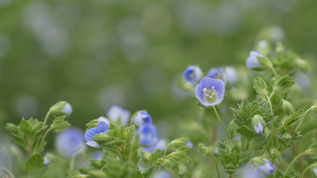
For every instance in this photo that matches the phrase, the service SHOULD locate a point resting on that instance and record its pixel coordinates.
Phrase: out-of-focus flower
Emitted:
(162, 174)
(69, 142)
(230, 74)
(258, 123)
(252, 61)
(267, 168)
(102, 128)
(210, 91)
(104, 119)
(97, 155)
(142, 118)
(217, 74)
(160, 145)
(46, 161)
(250, 172)
(148, 135)
(192, 74)
(61, 108)
(189, 144)
(116, 112)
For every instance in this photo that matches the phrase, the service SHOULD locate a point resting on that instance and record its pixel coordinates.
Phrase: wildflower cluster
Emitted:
(265, 135)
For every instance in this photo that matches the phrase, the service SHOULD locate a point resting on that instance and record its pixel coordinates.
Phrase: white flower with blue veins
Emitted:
(192, 74)
(252, 61)
(69, 142)
(210, 92)
(148, 135)
(142, 118)
(102, 128)
(116, 112)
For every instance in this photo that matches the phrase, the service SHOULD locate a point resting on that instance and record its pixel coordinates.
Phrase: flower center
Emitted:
(210, 95)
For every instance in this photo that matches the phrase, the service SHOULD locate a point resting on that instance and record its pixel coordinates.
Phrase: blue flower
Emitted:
(257, 123)
(315, 171)
(116, 112)
(189, 144)
(142, 118)
(148, 135)
(97, 155)
(192, 74)
(210, 91)
(46, 161)
(161, 145)
(252, 61)
(217, 74)
(162, 174)
(102, 128)
(267, 168)
(103, 119)
(69, 142)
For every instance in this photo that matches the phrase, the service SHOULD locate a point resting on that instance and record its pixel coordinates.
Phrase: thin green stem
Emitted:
(44, 136)
(217, 168)
(270, 104)
(289, 166)
(273, 92)
(7, 171)
(218, 117)
(46, 117)
(303, 173)
(163, 161)
(270, 139)
(274, 72)
(300, 122)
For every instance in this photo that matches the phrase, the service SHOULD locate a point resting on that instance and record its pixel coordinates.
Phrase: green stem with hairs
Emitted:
(289, 166)
(46, 117)
(269, 101)
(219, 119)
(300, 122)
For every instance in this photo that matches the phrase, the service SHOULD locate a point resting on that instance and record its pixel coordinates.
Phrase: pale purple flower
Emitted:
(217, 74)
(102, 128)
(148, 135)
(160, 145)
(267, 168)
(142, 118)
(210, 92)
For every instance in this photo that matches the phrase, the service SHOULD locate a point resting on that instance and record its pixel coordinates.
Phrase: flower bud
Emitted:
(61, 108)
(314, 168)
(264, 165)
(288, 108)
(258, 124)
(189, 144)
(141, 118)
(192, 74)
(286, 136)
(252, 61)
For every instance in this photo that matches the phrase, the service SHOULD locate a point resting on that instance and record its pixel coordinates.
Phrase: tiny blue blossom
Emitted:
(116, 112)
(142, 118)
(267, 168)
(102, 128)
(192, 74)
(189, 144)
(217, 74)
(252, 60)
(250, 172)
(148, 135)
(67, 108)
(210, 91)
(161, 145)
(69, 142)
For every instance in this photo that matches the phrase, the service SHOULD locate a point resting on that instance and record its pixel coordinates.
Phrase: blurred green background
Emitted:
(95, 54)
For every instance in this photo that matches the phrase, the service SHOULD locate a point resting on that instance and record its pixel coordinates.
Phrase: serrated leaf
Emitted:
(260, 86)
(283, 84)
(20, 141)
(34, 163)
(25, 128)
(181, 158)
(288, 120)
(59, 124)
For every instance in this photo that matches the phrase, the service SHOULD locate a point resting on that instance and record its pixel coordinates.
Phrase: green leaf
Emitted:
(102, 138)
(20, 141)
(260, 86)
(34, 163)
(13, 129)
(25, 128)
(288, 120)
(179, 142)
(283, 84)
(59, 124)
